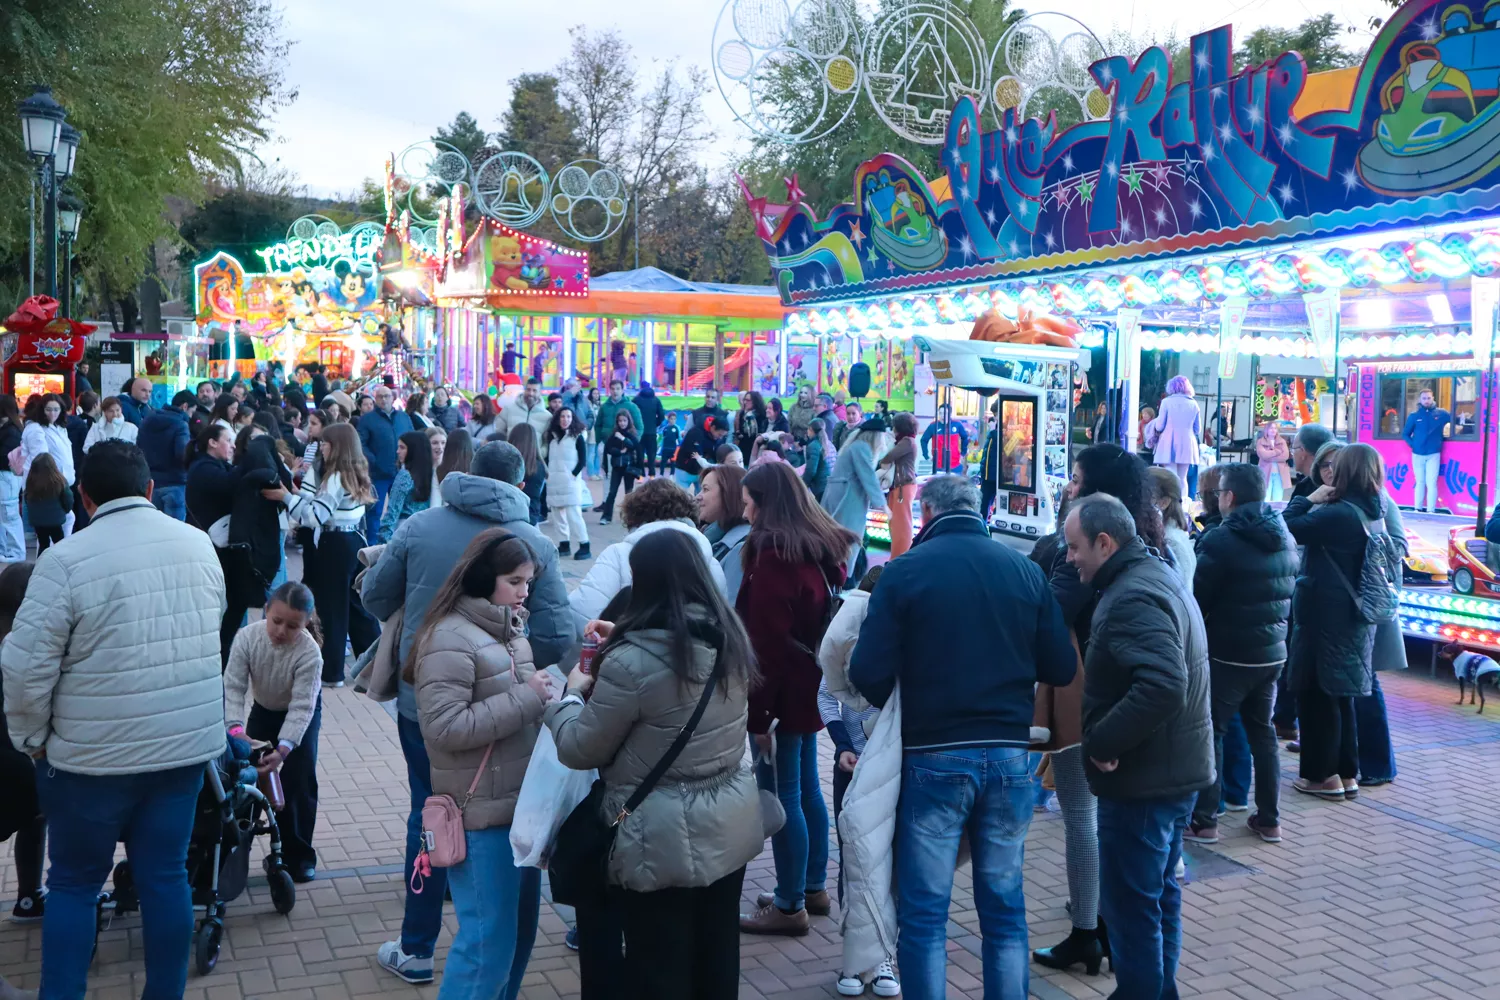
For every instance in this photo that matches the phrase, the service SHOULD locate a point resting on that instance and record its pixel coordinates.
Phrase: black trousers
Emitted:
(299, 782)
(841, 779)
(601, 952)
(683, 944)
(617, 475)
(47, 535)
(1330, 737)
(339, 607)
(648, 452)
(1248, 692)
(986, 499)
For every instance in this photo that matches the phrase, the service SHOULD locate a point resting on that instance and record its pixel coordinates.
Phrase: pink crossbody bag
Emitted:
(443, 843)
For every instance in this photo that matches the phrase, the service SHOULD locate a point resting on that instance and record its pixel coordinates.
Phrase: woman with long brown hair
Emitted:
(900, 464)
(332, 503)
(458, 454)
(794, 559)
(484, 422)
(1332, 645)
(523, 438)
(480, 699)
(721, 514)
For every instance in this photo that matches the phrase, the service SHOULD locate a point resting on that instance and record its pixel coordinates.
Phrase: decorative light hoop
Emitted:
(585, 182)
(312, 227)
(1046, 52)
(430, 163)
(503, 189)
(914, 46)
(750, 36)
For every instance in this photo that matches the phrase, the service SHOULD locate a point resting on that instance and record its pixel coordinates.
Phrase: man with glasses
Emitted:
(1310, 437)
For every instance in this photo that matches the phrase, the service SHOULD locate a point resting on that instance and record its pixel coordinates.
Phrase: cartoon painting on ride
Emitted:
(1213, 162)
(312, 292)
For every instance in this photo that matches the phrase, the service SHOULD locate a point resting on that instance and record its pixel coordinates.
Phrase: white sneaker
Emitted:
(851, 986)
(1181, 871)
(408, 967)
(886, 984)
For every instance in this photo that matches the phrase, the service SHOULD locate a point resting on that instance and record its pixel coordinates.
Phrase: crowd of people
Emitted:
(1151, 657)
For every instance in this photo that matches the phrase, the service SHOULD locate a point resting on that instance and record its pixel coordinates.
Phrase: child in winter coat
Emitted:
(48, 501)
(846, 722)
(671, 437)
(20, 812)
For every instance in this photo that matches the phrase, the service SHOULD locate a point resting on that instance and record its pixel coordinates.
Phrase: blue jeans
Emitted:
(373, 512)
(685, 480)
(423, 916)
(87, 815)
(497, 906)
(1139, 898)
(988, 794)
(1377, 758)
(595, 450)
(800, 850)
(171, 500)
(1237, 761)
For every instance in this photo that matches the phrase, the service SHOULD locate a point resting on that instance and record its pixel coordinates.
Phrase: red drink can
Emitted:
(587, 653)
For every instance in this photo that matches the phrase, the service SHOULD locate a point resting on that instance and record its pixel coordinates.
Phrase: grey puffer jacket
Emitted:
(471, 693)
(702, 821)
(426, 546)
(1145, 682)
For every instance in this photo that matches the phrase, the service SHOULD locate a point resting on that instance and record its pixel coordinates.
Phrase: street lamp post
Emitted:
(53, 144)
(69, 215)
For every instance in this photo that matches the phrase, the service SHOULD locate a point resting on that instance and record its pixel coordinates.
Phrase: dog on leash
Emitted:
(1473, 670)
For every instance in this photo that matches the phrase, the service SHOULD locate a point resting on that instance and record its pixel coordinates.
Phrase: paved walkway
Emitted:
(1391, 896)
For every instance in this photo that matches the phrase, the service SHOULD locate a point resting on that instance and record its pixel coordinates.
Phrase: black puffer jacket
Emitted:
(1247, 569)
(1145, 682)
(1331, 643)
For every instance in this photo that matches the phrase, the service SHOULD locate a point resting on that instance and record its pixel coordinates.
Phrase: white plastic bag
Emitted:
(549, 792)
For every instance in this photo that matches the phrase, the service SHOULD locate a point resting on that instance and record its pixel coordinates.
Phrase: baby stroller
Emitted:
(231, 813)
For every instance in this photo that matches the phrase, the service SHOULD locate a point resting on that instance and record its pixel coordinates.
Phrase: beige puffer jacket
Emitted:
(702, 821)
(471, 692)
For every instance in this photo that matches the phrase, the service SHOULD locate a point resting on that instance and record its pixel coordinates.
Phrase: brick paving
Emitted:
(1388, 897)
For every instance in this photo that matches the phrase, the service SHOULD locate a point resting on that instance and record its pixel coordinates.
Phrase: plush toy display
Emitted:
(1025, 329)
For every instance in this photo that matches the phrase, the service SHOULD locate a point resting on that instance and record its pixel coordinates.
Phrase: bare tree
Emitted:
(597, 81)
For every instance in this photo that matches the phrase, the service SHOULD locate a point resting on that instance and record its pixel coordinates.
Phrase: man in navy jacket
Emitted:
(379, 430)
(968, 626)
(1424, 432)
(164, 439)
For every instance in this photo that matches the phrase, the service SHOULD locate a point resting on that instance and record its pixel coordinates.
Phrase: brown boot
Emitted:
(771, 920)
(817, 901)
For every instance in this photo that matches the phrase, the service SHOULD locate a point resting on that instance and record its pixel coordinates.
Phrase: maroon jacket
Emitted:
(782, 605)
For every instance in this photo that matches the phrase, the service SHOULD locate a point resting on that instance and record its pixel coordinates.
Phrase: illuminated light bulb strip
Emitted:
(1449, 618)
(1447, 601)
(1455, 256)
(1426, 629)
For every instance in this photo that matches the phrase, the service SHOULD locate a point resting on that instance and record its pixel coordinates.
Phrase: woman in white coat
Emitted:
(110, 425)
(46, 431)
(566, 455)
(658, 505)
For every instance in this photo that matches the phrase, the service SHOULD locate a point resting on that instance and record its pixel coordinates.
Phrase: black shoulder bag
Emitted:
(578, 869)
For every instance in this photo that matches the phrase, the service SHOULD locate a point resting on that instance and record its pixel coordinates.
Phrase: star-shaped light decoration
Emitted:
(1112, 170)
(856, 234)
(1106, 76)
(1350, 179)
(1067, 161)
(1200, 57)
(804, 240)
(1133, 178)
(993, 174)
(1063, 195)
(1023, 209)
(1285, 193)
(1085, 190)
(1126, 229)
(966, 247)
(1010, 135)
(558, 283)
(1225, 132)
(1284, 134)
(1160, 216)
(1049, 239)
(963, 192)
(991, 217)
(1160, 174)
(1256, 115)
(1428, 29)
(871, 256)
(1208, 153)
(794, 192)
(786, 246)
(1015, 248)
(1196, 207)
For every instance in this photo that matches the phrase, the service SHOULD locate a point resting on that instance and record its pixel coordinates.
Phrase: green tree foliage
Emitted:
(464, 135)
(165, 92)
(1316, 38)
(537, 123)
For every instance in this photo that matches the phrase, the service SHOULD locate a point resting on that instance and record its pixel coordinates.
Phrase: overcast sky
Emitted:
(362, 96)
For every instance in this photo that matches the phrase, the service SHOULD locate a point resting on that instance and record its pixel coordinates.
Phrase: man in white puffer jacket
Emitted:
(656, 505)
(112, 683)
